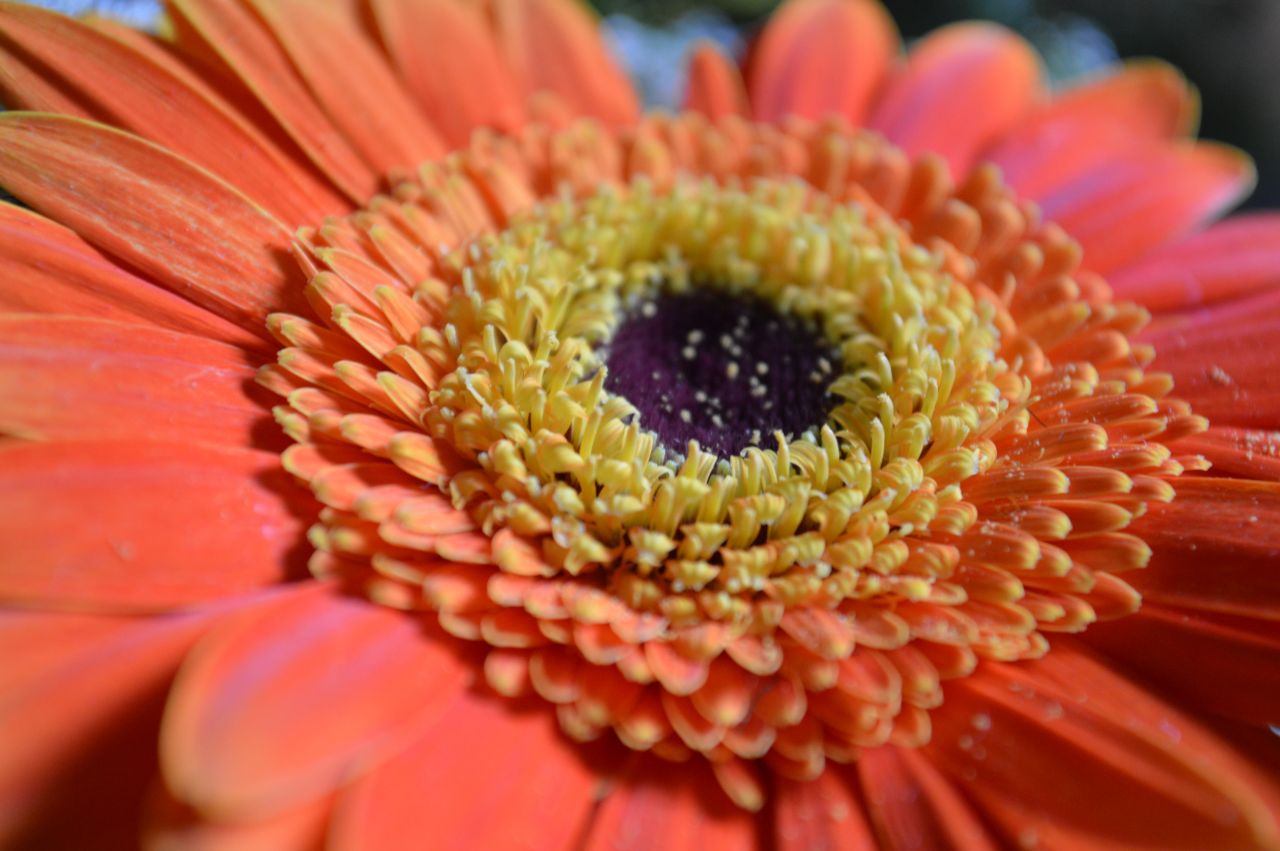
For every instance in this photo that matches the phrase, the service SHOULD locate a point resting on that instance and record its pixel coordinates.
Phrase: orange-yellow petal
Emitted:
(715, 86)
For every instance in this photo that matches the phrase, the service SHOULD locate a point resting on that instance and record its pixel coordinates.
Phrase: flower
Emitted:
(743, 477)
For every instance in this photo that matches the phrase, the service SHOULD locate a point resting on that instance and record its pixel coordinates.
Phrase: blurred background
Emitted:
(1227, 48)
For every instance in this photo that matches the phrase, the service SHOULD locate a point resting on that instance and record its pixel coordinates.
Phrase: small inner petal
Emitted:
(726, 371)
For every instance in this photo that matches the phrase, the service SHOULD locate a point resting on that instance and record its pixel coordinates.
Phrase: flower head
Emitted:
(399, 463)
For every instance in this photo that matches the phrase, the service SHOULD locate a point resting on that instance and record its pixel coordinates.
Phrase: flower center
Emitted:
(727, 372)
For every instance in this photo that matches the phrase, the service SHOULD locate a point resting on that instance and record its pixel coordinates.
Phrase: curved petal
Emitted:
(1066, 753)
(818, 57)
(106, 80)
(364, 100)
(715, 86)
(238, 43)
(674, 807)
(913, 806)
(65, 378)
(449, 60)
(493, 777)
(962, 87)
(1223, 360)
(1229, 667)
(1234, 258)
(1143, 101)
(1215, 548)
(555, 45)
(172, 220)
(1144, 197)
(361, 677)
(194, 524)
(47, 268)
(80, 702)
(170, 825)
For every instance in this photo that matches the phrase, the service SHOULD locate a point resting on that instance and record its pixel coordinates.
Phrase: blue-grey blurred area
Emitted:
(1226, 47)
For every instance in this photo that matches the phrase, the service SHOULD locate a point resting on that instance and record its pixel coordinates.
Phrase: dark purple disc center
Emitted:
(723, 370)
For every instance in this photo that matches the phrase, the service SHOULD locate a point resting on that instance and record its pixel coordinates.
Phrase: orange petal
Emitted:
(1141, 102)
(484, 776)
(1145, 197)
(672, 807)
(555, 45)
(1214, 548)
(1237, 257)
(171, 824)
(108, 81)
(913, 806)
(818, 57)
(1240, 452)
(715, 85)
(82, 702)
(173, 221)
(1069, 754)
(197, 523)
(352, 83)
(1223, 360)
(237, 41)
(824, 813)
(962, 87)
(68, 378)
(448, 59)
(46, 268)
(232, 744)
(1217, 664)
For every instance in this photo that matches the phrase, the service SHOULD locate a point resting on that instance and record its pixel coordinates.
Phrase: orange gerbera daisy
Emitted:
(409, 443)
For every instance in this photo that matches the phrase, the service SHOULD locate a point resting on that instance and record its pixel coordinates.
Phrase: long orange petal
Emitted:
(823, 813)
(1145, 197)
(1229, 667)
(358, 676)
(352, 83)
(449, 61)
(80, 702)
(818, 57)
(555, 45)
(224, 32)
(1214, 548)
(1143, 101)
(119, 86)
(196, 524)
(67, 378)
(46, 268)
(715, 86)
(172, 220)
(1066, 752)
(1241, 452)
(168, 823)
(1233, 258)
(497, 778)
(962, 87)
(913, 806)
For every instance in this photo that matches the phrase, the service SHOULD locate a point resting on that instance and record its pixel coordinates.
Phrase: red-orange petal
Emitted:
(486, 775)
(912, 805)
(822, 57)
(715, 86)
(81, 703)
(170, 824)
(1214, 548)
(108, 81)
(47, 268)
(198, 523)
(232, 37)
(361, 676)
(448, 59)
(1067, 753)
(1145, 197)
(1240, 452)
(1233, 258)
(961, 88)
(166, 217)
(555, 45)
(821, 814)
(353, 83)
(64, 378)
(1216, 664)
